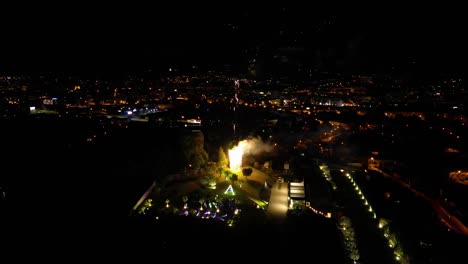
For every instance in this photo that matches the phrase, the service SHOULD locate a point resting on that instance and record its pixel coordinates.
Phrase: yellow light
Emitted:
(235, 157)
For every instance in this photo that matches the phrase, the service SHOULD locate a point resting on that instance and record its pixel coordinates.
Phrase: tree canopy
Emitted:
(193, 149)
(222, 158)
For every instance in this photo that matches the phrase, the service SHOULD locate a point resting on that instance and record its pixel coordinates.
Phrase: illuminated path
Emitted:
(278, 205)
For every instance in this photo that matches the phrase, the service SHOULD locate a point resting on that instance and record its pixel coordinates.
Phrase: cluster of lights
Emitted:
(348, 233)
(327, 215)
(392, 243)
(145, 206)
(326, 174)
(210, 210)
(360, 194)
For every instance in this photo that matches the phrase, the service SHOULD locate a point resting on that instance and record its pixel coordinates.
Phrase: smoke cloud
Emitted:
(254, 146)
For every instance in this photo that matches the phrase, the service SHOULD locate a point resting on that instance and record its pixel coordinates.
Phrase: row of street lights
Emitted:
(382, 224)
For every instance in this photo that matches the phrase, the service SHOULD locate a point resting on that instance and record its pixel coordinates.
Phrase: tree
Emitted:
(212, 182)
(148, 202)
(201, 201)
(384, 225)
(354, 255)
(194, 154)
(222, 158)
(345, 222)
(247, 171)
(234, 177)
(392, 240)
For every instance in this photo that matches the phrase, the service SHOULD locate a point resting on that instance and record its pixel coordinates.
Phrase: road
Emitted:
(278, 205)
(450, 220)
(372, 245)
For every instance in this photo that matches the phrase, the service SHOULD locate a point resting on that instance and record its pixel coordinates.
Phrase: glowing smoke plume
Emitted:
(247, 146)
(235, 157)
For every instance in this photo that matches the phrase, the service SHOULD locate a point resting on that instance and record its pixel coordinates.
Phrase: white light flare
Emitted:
(235, 157)
(247, 146)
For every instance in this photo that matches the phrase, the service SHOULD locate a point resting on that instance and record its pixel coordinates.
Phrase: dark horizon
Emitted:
(81, 40)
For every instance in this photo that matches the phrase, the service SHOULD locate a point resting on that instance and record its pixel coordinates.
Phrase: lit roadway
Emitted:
(451, 221)
(278, 205)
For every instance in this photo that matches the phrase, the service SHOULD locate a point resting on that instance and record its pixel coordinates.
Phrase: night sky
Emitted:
(79, 38)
